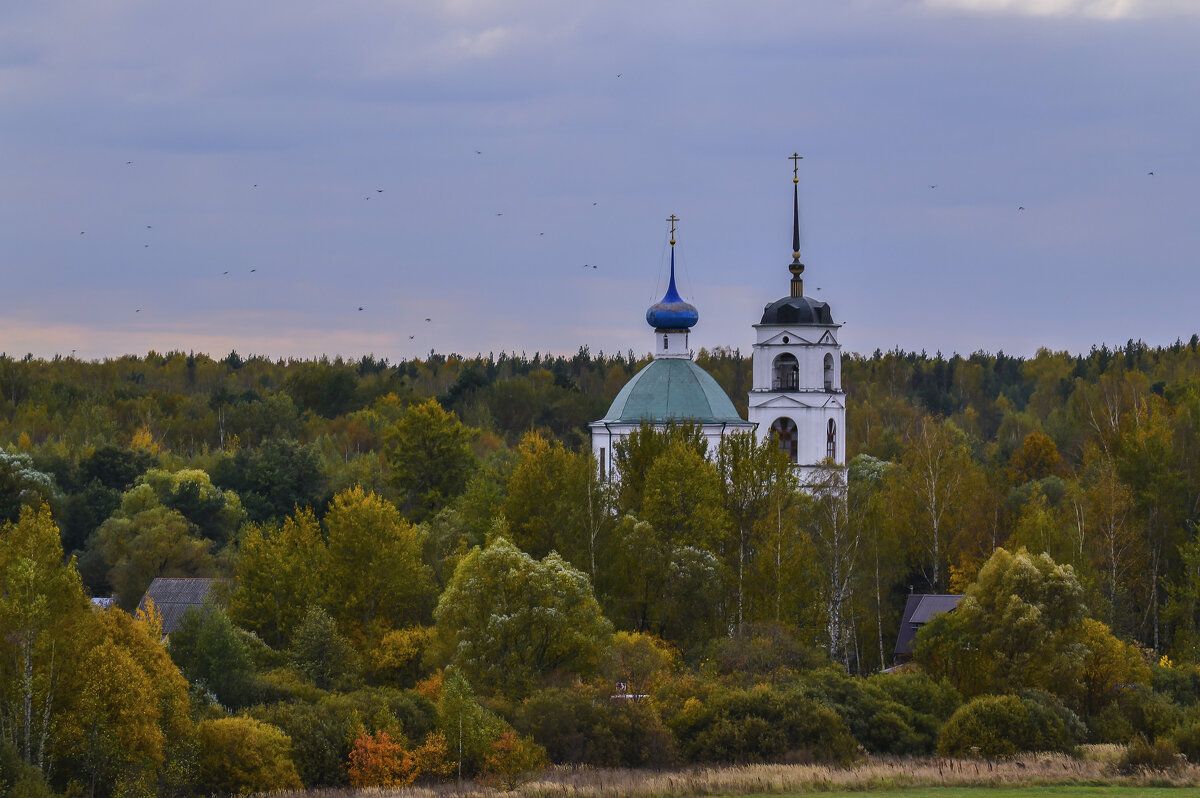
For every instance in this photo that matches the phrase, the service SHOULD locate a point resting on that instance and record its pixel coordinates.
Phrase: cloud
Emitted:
(1092, 9)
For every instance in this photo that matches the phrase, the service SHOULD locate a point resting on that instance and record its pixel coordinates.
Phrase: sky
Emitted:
(296, 179)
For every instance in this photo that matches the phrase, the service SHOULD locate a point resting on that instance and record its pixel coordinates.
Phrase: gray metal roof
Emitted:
(918, 610)
(672, 389)
(797, 310)
(173, 596)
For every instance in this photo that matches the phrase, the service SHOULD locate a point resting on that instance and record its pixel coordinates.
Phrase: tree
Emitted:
(280, 571)
(209, 652)
(833, 542)
(127, 715)
(42, 613)
(563, 519)
(751, 471)
(321, 653)
(243, 756)
(376, 580)
(1037, 458)
(507, 620)
(138, 546)
(927, 492)
(1019, 626)
(23, 485)
(429, 452)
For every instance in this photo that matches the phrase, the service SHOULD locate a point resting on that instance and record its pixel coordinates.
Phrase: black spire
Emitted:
(796, 267)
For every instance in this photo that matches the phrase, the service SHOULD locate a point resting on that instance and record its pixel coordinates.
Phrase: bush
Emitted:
(578, 727)
(761, 725)
(323, 732)
(1143, 756)
(1187, 739)
(1000, 726)
(1136, 711)
(513, 761)
(243, 755)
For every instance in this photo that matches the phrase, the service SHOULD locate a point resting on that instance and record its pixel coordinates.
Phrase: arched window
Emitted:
(831, 440)
(784, 430)
(829, 372)
(785, 373)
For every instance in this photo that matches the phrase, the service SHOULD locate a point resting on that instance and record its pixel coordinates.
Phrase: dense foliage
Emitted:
(427, 576)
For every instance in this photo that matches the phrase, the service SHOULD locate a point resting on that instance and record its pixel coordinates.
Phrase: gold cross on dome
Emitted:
(795, 158)
(672, 219)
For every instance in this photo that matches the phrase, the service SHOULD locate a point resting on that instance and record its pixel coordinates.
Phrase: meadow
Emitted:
(1026, 776)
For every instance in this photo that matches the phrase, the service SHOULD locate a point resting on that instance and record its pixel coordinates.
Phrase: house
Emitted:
(918, 610)
(173, 596)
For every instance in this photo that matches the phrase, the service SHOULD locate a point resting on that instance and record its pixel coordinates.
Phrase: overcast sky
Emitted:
(247, 175)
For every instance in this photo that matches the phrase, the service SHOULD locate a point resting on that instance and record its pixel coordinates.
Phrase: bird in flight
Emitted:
(500, 214)
(1020, 207)
(479, 152)
(148, 227)
(128, 162)
(1150, 173)
(254, 270)
(81, 232)
(224, 272)
(139, 310)
(360, 307)
(378, 191)
(428, 319)
(411, 337)
(933, 185)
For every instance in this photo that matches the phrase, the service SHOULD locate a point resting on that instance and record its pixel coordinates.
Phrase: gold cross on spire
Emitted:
(795, 158)
(672, 219)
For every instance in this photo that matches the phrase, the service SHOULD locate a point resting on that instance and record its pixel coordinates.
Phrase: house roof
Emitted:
(173, 596)
(918, 611)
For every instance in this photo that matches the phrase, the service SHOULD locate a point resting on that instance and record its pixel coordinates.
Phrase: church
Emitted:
(796, 394)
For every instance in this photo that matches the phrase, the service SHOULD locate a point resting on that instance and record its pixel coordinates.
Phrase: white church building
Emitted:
(796, 395)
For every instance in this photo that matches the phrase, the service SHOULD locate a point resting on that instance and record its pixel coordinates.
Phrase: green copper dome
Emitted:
(672, 389)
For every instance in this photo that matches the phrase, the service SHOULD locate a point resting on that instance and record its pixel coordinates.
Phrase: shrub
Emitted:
(1000, 726)
(379, 760)
(580, 727)
(1136, 711)
(1187, 739)
(513, 761)
(243, 755)
(761, 725)
(1143, 756)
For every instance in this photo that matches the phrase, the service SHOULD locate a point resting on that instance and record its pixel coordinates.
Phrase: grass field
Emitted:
(1030, 776)
(1018, 792)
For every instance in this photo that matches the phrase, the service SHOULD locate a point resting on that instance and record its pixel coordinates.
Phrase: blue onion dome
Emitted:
(671, 312)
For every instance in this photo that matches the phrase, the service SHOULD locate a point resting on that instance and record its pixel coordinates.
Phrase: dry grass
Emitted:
(874, 774)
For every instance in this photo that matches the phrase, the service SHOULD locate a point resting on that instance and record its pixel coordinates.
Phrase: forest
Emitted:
(423, 576)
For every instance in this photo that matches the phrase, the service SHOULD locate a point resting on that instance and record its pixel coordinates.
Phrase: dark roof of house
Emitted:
(797, 310)
(173, 596)
(918, 610)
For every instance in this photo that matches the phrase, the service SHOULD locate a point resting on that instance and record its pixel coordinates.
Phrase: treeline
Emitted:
(396, 537)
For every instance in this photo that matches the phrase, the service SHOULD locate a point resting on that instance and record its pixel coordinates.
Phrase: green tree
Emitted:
(751, 472)
(321, 652)
(23, 485)
(507, 621)
(43, 612)
(1019, 626)
(211, 654)
(429, 452)
(279, 572)
(139, 545)
(375, 579)
(927, 491)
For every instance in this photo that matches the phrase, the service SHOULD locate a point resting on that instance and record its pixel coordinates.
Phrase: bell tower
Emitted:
(797, 395)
